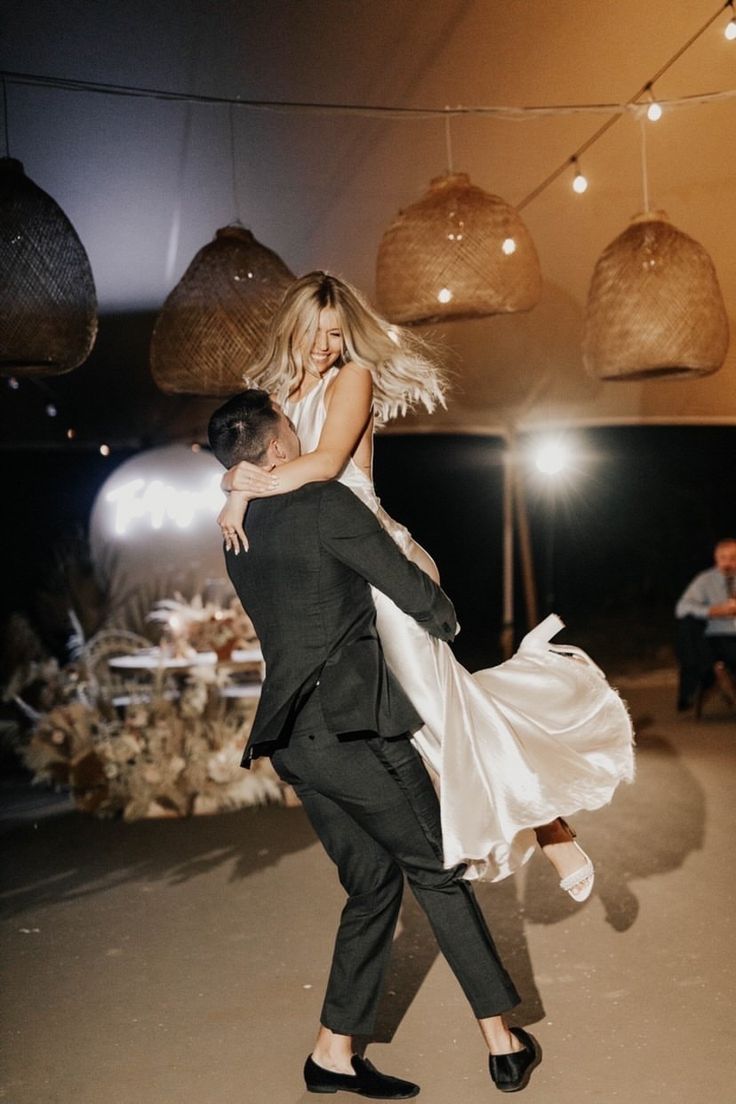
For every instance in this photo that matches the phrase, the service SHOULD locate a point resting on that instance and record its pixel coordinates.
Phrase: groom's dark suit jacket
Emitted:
(305, 585)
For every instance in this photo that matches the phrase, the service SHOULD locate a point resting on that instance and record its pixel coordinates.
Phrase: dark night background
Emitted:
(635, 521)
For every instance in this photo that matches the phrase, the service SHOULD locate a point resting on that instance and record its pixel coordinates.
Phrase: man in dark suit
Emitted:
(335, 723)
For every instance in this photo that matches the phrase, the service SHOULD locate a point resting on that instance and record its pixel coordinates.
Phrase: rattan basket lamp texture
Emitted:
(458, 252)
(216, 318)
(48, 304)
(654, 306)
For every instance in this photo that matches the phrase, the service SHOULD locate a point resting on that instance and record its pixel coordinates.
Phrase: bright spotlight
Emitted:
(552, 457)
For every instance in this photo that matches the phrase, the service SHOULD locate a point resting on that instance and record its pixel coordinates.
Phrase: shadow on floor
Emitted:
(633, 838)
(69, 855)
(72, 855)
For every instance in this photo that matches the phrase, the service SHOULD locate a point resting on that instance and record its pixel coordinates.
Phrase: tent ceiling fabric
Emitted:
(146, 182)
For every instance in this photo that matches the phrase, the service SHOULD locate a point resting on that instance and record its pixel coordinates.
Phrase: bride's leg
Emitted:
(557, 841)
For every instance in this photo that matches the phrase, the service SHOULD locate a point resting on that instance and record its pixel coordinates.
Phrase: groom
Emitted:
(336, 724)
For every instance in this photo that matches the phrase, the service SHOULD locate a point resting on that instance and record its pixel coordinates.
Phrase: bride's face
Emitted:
(326, 347)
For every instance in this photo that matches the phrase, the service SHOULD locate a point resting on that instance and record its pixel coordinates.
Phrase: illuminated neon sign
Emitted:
(160, 503)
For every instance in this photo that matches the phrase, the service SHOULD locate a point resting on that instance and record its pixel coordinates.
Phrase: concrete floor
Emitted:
(182, 962)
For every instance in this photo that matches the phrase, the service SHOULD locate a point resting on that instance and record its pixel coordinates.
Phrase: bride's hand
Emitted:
(230, 519)
(249, 478)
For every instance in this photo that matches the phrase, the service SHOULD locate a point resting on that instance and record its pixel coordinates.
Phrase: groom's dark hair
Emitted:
(243, 427)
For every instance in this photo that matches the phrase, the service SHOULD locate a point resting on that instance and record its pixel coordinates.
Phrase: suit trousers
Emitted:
(373, 806)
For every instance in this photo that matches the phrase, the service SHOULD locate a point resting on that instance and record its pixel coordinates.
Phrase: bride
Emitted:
(516, 747)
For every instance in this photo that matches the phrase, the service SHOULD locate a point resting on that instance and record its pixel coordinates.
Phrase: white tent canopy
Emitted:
(147, 182)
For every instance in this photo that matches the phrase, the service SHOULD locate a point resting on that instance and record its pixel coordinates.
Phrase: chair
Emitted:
(107, 683)
(723, 681)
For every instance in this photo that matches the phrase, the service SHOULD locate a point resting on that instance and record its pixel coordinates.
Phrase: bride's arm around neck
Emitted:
(348, 402)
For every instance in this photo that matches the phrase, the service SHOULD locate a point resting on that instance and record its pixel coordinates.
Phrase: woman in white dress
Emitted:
(516, 747)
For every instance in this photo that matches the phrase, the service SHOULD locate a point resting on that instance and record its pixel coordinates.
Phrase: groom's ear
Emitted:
(276, 450)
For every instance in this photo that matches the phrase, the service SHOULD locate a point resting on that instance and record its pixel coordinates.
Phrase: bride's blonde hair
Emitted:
(403, 368)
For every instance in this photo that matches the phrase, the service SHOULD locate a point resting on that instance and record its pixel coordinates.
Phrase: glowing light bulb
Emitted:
(13, 383)
(444, 295)
(654, 111)
(71, 433)
(104, 450)
(579, 180)
(51, 410)
(509, 246)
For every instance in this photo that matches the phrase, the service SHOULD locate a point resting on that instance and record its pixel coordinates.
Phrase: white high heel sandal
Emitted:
(559, 831)
(583, 878)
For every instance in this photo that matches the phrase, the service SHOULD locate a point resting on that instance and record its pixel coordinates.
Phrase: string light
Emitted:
(579, 182)
(51, 410)
(13, 383)
(654, 111)
(71, 433)
(104, 450)
(730, 29)
(632, 105)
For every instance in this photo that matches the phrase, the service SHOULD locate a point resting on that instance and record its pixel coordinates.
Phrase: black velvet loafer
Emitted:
(511, 1072)
(367, 1081)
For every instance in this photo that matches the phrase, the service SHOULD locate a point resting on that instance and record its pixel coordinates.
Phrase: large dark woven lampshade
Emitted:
(48, 305)
(215, 320)
(456, 253)
(654, 306)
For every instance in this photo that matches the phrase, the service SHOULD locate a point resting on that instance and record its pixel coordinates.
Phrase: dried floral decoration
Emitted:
(173, 749)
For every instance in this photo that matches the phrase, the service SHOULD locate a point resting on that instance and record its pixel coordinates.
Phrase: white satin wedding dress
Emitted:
(539, 736)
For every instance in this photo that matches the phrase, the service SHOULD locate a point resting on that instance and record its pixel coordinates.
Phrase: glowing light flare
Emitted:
(157, 503)
(553, 456)
(580, 183)
(654, 111)
(508, 245)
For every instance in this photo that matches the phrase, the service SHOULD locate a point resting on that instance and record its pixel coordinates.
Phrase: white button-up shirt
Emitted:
(707, 589)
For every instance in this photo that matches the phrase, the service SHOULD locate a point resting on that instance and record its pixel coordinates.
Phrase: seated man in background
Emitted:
(709, 603)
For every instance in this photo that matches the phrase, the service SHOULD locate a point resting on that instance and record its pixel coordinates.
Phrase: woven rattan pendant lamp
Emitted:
(215, 320)
(48, 305)
(655, 308)
(456, 253)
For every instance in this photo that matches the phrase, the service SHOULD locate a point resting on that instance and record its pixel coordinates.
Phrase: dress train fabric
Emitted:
(514, 746)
